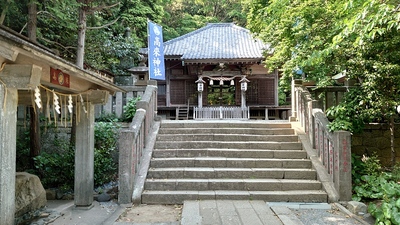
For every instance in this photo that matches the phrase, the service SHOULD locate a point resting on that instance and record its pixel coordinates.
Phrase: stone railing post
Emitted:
(295, 99)
(342, 168)
(125, 166)
(313, 104)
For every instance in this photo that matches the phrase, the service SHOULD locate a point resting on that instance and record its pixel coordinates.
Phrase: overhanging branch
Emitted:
(99, 8)
(105, 25)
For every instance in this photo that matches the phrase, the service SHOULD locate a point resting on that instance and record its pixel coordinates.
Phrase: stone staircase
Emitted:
(198, 160)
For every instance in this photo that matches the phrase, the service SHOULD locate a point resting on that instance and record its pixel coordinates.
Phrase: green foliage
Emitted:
(130, 108)
(357, 169)
(56, 167)
(366, 171)
(324, 38)
(388, 211)
(349, 114)
(381, 189)
(105, 166)
(181, 17)
(282, 97)
(107, 117)
(23, 152)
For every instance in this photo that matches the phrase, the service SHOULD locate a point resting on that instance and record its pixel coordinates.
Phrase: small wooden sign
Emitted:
(59, 77)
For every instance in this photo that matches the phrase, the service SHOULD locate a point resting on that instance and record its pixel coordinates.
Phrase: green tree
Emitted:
(182, 17)
(322, 38)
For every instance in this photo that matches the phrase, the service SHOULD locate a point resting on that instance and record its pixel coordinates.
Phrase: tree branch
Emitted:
(40, 12)
(58, 44)
(105, 25)
(99, 8)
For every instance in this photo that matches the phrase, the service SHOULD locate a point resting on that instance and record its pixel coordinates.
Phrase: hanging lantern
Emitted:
(243, 83)
(232, 82)
(200, 87)
(243, 86)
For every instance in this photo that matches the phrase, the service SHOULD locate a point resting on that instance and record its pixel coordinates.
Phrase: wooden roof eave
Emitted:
(227, 61)
(14, 45)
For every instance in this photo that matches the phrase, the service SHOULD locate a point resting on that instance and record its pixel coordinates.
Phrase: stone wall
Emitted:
(376, 139)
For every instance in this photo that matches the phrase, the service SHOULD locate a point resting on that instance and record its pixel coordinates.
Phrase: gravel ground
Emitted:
(334, 216)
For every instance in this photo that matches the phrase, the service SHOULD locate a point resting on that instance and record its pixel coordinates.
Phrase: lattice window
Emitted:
(261, 92)
(182, 90)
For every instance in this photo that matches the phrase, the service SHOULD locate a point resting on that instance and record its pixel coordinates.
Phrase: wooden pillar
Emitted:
(8, 133)
(200, 99)
(243, 99)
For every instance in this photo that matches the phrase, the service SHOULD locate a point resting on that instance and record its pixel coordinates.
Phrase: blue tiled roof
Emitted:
(216, 41)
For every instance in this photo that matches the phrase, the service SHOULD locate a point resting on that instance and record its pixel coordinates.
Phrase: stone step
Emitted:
(229, 162)
(227, 137)
(177, 197)
(231, 173)
(255, 131)
(223, 124)
(228, 144)
(230, 153)
(232, 184)
(235, 160)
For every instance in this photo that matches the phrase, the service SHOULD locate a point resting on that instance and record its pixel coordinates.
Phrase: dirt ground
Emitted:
(151, 214)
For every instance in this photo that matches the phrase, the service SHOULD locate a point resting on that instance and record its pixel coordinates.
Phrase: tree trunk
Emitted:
(393, 151)
(4, 12)
(34, 133)
(80, 53)
(32, 20)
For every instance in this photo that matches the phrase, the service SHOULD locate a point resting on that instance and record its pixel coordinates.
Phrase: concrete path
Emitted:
(232, 212)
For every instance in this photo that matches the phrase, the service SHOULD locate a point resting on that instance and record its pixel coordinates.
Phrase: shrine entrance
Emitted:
(221, 93)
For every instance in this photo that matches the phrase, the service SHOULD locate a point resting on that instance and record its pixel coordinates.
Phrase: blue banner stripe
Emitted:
(156, 52)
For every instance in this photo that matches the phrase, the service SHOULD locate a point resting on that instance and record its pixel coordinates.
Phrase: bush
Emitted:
(130, 109)
(56, 168)
(372, 185)
(107, 117)
(23, 162)
(105, 150)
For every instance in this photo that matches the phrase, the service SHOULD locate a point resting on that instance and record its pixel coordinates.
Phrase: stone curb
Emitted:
(350, 214)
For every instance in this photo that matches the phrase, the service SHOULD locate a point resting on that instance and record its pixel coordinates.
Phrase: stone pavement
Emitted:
(204, 212)
(219, 212)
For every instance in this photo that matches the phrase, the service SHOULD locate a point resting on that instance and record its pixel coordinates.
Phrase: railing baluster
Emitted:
(221, 112)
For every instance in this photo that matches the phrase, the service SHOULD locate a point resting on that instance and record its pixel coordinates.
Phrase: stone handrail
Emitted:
(331, 150)
(133, 142)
